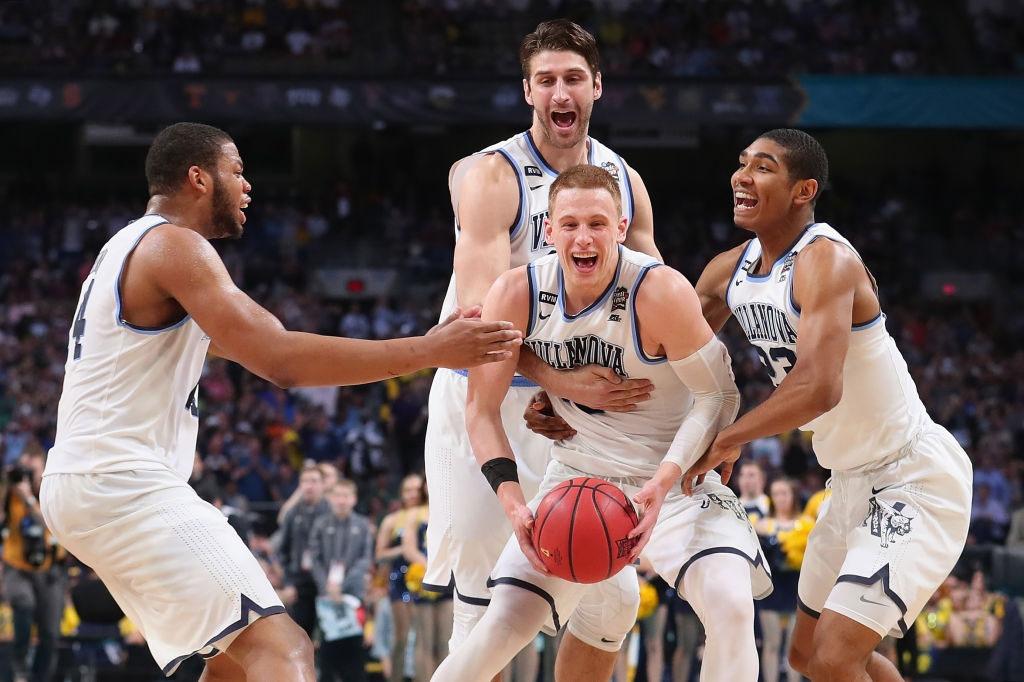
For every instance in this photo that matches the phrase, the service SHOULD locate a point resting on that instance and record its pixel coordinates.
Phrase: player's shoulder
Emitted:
(512, 282)
(489, 167)
(725, 262)
(828, 256)
(173, 240)
(662, 284)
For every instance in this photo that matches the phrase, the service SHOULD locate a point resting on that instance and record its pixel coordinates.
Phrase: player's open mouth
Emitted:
(743, 200)
(585, 261)
(563, 119)
(241, 213)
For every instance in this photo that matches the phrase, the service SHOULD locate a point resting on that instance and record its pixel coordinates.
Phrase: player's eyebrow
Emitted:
(760, 155)
(574, 69)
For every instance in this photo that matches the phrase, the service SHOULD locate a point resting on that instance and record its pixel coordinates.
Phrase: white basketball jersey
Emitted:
(880, 410)
(130, 398)
(615, 444)
(535, 176)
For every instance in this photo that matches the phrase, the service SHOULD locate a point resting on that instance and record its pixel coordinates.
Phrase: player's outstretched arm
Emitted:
(712, 285)
(181, 265)
(640, 236)
(826, 275)
(509, 297)
(485, 198)
(671, 324)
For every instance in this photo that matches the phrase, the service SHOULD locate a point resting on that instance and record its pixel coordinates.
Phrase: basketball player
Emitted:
(114, 490)
(897, 518)
(499, 197)
(623, 309)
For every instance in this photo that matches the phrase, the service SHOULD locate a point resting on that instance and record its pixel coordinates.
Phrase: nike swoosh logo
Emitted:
(537, 187)
(608, 641)
(737, 282)
(871, 601)
(544, 317)
(875, 491)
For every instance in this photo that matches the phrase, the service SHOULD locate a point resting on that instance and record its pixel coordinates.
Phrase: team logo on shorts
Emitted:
(888, 522)
(728, 505)
(612, 169)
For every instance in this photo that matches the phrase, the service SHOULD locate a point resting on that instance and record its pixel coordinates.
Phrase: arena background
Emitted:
(348, 116)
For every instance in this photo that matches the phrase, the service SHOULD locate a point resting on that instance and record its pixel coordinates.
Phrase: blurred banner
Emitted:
(912, 102)
(393, 102)
(815, 101)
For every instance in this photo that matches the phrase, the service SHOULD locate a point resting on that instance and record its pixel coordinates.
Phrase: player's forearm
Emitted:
(300, 359)
(539, 372)
(797, 401)
(709, 414)
(487, 433)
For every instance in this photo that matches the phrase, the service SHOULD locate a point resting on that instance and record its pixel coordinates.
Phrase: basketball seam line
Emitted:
(607, 535)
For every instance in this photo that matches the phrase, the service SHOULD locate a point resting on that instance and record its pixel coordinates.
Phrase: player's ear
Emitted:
(549, 231)
(806, 190)
(598, 87)
(527, 95)
(620, 230)
(199, 180)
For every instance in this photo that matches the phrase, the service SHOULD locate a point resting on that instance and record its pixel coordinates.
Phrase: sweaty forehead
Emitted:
(229, 153)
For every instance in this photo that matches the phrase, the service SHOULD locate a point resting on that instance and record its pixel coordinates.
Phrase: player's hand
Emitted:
(721, 453)
(600, 388)
(541, 419)
(463, 340)
(650, 498)
(510, 494)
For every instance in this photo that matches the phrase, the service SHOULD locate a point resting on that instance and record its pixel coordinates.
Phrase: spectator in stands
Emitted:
(300, 587)
(341, 553)
(751, 482)
(989, 517)
(34, 576)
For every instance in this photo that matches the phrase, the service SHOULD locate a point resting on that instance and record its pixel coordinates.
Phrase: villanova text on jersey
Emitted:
(539, 238)
(577, 351)
(765, 322)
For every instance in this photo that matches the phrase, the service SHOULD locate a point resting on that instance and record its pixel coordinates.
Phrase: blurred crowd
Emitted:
(282, 463)
(474, 37)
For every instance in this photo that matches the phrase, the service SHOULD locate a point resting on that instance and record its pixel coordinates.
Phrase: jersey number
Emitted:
(774, 359)
(78, 329)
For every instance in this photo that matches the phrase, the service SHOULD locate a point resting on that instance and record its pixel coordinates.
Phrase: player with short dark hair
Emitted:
(897, 519)
(115, 489)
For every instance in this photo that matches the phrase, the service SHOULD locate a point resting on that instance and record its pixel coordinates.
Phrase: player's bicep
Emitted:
(668, 307)
(189, 270)
(487, 209)
(825, 284)
(712, 285)
(640, 236)
(508, 300)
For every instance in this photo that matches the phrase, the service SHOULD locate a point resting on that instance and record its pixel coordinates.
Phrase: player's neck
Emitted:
(180, 213)
(580, 295)
(559, 158)
(777, 239)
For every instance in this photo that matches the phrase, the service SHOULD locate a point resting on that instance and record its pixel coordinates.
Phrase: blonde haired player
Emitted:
(625, 310)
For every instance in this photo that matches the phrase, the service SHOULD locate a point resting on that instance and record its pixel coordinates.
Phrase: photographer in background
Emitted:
(34, 577)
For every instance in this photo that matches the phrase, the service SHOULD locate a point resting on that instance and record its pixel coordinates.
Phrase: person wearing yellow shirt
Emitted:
(34, 579)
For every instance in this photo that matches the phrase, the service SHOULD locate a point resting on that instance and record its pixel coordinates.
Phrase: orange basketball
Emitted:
(580, 530)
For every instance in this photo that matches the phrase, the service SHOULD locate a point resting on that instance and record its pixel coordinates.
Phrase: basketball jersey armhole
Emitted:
(521, 212)
(735, 271)
(118, 313)
(631, 211)
(531, 279)
(795, 308)
(635, 321)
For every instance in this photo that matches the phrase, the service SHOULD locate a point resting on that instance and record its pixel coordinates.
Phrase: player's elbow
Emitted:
(280, 378)
(826, 395)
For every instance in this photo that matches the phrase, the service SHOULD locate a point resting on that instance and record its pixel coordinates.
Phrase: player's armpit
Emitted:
(714, 282)
(487, 200)
(640, 236)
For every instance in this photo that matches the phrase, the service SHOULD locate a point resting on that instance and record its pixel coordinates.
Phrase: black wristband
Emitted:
(499, 470)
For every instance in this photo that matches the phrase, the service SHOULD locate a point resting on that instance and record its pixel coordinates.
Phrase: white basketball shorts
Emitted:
(890, 534)
(688, 528)
(177, 569)
(467, 527)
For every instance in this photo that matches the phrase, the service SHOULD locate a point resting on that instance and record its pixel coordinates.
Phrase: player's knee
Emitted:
(729, 613)
(831, 657)
(275, 637)
(465, 618)
(799, 657)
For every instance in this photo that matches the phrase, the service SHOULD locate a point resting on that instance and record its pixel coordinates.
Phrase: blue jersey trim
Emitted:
(248, 610)
(539, 591)
(532, 281)
(521, 218)
(882, 576)
(755, 563)
(119, 318)
(736, 271)
(535, 153)
(795, 309)
(782, 255)
(518, 381)
(596, 304)
(629, 190)
(637, 344)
